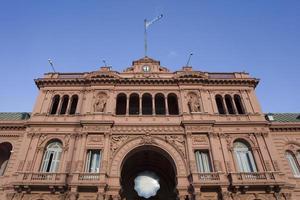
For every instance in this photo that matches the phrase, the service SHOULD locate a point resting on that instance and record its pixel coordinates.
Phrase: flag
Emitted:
(148, 23)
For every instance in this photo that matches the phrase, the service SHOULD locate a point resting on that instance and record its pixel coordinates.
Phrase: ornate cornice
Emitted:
(192, 78)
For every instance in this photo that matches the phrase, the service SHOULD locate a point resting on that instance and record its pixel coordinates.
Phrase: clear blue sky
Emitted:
(259, 37)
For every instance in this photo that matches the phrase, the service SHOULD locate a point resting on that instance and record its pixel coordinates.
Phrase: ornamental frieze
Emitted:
(199, 129)
(150, 129)
(96, 128)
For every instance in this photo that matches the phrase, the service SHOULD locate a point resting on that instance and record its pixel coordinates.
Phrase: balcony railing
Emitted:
(89, 176)
(86, 178)
(41, 178)
(254, 178)
(210, 178)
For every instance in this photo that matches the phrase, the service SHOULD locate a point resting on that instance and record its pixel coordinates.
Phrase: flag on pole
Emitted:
(148, 23)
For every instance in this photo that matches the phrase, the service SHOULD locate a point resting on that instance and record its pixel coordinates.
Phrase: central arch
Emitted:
(157, 145)
(150, 159)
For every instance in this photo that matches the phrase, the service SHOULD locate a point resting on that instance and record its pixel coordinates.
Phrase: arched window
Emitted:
(238, 104)
(293, 163)
(55, 102)
(121, 104)
(134, 104)
(5, 151)
(64, 105)
(229, 104)
(160, 106)
(52, 157)
(74, 101)
(147, 104)
(173, 104)
(244, 157)
(220, 104)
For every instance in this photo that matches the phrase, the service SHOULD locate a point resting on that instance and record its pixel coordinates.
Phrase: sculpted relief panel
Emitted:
(200, 140)
(193, 102)
(100, 102)
(95, 140)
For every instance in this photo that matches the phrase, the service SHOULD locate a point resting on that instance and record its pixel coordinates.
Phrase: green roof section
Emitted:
(283, 117)
(14, 116)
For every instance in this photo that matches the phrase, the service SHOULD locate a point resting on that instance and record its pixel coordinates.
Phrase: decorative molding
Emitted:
(96, 128)
(116, 142)
(137, 129)
(96, 140)
(198, 140)
(178, 142)
(147, 139)
(198, 128)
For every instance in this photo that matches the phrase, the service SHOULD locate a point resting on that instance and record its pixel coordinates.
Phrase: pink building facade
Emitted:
(204, 135)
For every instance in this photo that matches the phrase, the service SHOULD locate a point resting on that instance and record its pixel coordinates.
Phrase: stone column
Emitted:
(127, 105)
(216, 151)
(106, 150)
(69, 106)
(213, 102)
(229, 164)
(141, 105)
(179, 104)
(79, 103)
(153, 105)
(59, 104)
(264, 152)
(30, 165)
(166, 105)
(80, 157)
(277, 166)
(23, 155)
(70, 151)
(257, 159)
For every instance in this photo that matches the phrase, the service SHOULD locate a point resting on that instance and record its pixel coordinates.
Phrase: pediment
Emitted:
(146, 65)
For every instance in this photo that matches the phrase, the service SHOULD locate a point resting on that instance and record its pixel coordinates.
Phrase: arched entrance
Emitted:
(150, 159)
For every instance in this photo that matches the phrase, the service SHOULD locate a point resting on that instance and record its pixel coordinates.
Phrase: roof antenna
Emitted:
(51, 63)
(188, 62)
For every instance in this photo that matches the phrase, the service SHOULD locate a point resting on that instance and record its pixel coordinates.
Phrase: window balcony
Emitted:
(210, 179)
(40, 179)
(87, 179)
(255, 178)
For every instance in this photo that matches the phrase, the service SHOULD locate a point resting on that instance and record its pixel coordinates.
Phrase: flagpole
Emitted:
(145, 37)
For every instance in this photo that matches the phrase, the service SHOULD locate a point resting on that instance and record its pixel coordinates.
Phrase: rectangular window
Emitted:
(93, 159)
(203, 161)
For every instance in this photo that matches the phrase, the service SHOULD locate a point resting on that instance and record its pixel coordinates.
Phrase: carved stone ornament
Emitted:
(116, 142)
(72, 196)
(199, 140)
(147, 139)
(100, 103)
(42, 139)
(96, 139)
(193, 103)
(177, 141)
(226, 195)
